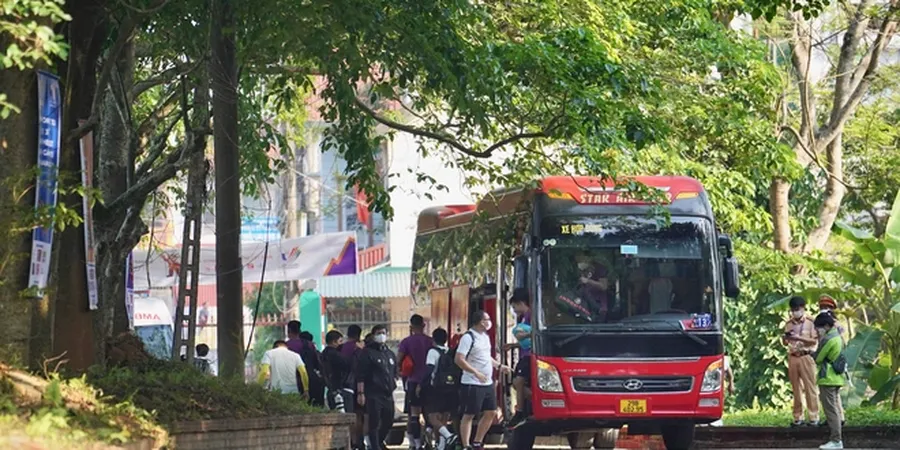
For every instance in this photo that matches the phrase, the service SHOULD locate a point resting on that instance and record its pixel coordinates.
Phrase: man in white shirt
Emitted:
(280, 366)
(477, 395)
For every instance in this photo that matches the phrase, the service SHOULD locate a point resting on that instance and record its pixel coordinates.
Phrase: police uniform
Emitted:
(377, 370)
(802, 368)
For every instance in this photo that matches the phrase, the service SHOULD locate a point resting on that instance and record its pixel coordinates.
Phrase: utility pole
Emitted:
(229, 268)
(290, 228)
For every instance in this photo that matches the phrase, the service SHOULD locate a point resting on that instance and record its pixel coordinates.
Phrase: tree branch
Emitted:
(157, 147)
(161, 111)
(126, 33)
(840, 117)
(176, 71)
(453, 142)
(852, 38)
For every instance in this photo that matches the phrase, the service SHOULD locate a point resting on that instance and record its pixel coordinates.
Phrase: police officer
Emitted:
(376, 380)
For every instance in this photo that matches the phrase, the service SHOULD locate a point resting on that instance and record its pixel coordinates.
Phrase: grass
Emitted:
(53, 412)
(177, 392)
(856, 417)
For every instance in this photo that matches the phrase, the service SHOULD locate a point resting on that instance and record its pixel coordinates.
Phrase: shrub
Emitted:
(175, 392)
(856, 417)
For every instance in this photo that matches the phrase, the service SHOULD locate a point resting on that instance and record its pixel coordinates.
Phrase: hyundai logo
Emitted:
(633, 384)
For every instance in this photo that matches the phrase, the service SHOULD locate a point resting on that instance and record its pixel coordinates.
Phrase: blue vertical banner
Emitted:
(49, 119)
(129, 290)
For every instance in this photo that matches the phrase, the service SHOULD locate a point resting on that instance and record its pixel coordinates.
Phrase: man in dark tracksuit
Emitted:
(376, 380)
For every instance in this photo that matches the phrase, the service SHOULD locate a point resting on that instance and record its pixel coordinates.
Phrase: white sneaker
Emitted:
(832, 445)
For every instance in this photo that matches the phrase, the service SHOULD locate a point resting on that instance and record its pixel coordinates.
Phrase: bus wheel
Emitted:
(678, 437)
(580, 440)
(606, 439)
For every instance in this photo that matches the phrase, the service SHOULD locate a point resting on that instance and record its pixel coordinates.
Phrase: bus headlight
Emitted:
(548, 377)
(712, 379)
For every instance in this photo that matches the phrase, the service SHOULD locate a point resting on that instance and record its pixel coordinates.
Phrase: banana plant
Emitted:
(875, 278)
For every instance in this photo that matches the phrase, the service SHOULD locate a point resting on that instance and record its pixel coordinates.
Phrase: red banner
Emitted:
(362, 207)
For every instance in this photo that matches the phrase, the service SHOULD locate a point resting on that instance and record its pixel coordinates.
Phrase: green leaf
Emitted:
(852, 233)
(861, 353)
(881, 372)
(887, 391)
(892, 234)
(896, 307)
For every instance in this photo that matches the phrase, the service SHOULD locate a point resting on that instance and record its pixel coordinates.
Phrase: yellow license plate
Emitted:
(633, 406)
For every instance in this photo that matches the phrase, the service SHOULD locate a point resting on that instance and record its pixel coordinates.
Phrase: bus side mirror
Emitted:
(725, 243)
(520, 272)
(732, 276)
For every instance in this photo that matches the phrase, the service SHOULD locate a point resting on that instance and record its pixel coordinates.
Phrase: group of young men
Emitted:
(816, 366)
(445, 385)
(456, 385)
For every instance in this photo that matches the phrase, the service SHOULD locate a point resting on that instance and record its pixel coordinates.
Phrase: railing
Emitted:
(370, 257)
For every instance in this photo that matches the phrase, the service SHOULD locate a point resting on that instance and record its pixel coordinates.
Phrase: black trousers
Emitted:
(380, 411)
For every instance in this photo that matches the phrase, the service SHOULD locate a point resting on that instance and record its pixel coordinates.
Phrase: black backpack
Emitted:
(446, 373)
(840, 363)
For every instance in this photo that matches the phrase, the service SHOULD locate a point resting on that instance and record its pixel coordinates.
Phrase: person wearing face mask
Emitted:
(477, 395)
(828, 305)
(801, 339)
(376, 380)
(830, 377)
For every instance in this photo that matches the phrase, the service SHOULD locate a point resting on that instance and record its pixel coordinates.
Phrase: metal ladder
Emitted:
(189, 271)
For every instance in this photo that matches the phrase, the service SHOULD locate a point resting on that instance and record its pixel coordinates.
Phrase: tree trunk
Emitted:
(18, 147)
(834, 194)
(229, 276)
(86, 35)
(779, 196)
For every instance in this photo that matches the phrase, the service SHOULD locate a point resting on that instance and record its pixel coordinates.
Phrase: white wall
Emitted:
(408, 198)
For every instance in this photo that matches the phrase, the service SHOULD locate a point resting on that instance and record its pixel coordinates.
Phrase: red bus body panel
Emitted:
(604, 406)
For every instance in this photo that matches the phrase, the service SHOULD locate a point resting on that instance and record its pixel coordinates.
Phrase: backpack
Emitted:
(446, 373)
(840, 363)
(407, 366)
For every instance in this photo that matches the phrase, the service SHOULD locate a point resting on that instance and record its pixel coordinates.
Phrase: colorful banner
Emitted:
(90, 245)
(296, 259)
(49, 118)
(129, 290)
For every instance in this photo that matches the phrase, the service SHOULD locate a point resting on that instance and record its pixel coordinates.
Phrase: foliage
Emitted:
(177, 392)
(754, 329)
(17, 218)
(26, 27)
(871, 139)
(856, 417)
(69, 413)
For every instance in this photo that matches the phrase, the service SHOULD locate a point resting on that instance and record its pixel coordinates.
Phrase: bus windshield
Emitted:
(627, 272)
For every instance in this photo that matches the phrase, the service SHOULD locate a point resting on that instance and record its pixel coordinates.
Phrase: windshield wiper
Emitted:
(583, 331)
(677, 327)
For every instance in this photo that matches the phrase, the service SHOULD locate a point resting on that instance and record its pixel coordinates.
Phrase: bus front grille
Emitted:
(632, 385)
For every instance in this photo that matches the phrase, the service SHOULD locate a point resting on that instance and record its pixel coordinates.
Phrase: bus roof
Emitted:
(581, 189)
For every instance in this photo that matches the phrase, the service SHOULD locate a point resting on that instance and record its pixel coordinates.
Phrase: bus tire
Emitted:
(678, 437)
(579, 440)
(606, 439)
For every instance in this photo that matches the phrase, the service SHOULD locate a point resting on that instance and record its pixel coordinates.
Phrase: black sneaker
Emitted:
(517, 419)
(797, 423)
(477, 446)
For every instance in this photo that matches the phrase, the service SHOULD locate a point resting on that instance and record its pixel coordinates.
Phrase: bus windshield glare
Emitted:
(611, 271)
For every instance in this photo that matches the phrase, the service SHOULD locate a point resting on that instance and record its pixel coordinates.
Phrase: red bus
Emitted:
(626, 295)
